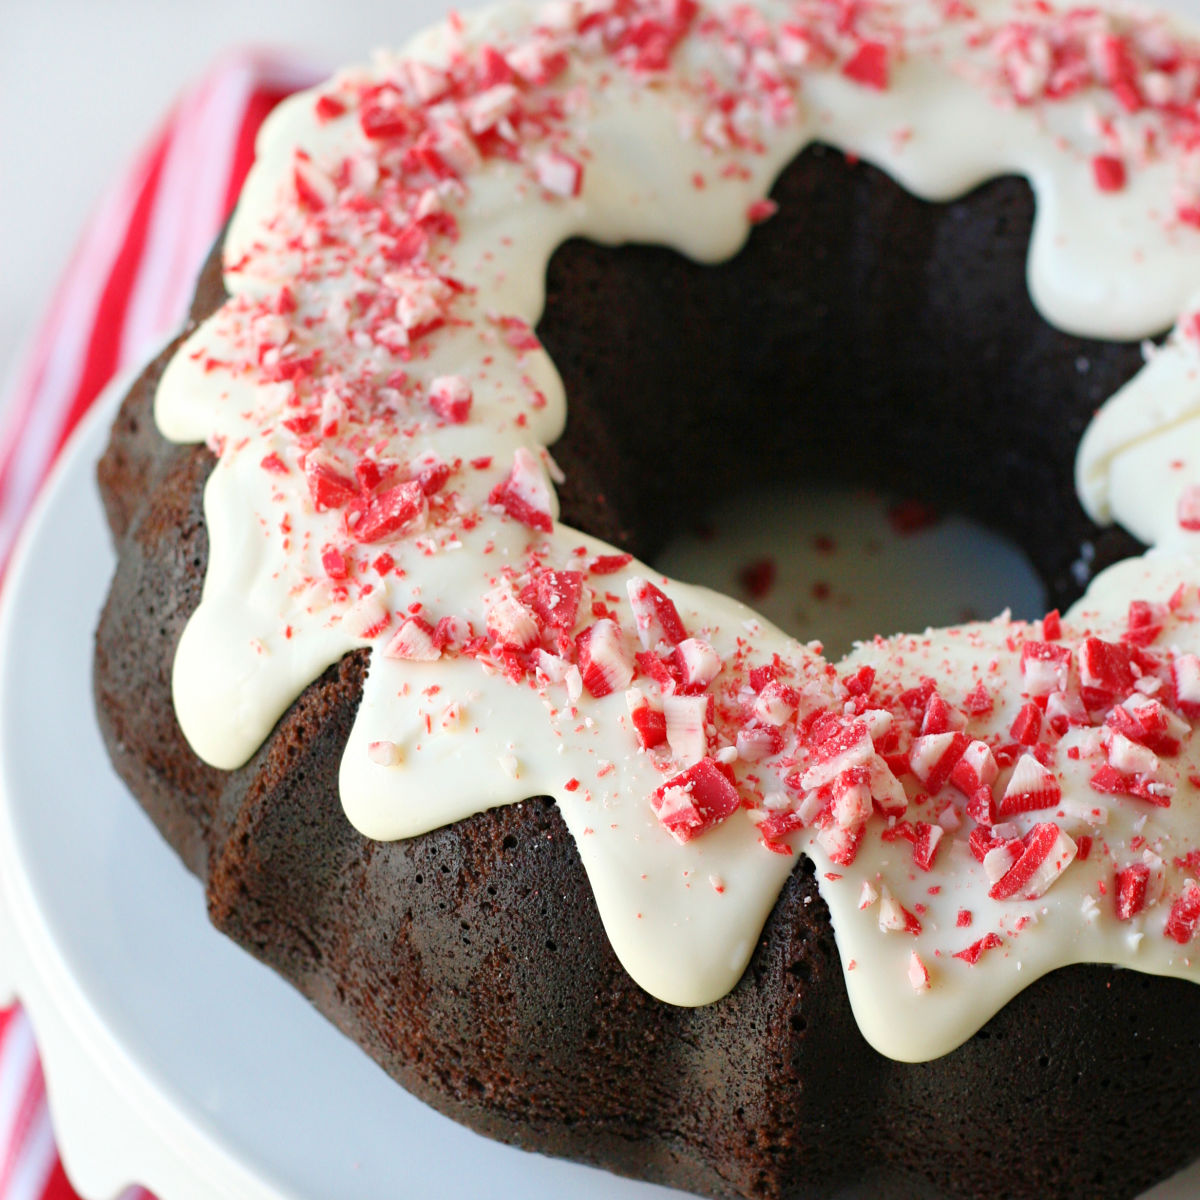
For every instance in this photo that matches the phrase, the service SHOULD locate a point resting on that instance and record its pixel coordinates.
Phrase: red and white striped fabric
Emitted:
(125, 291)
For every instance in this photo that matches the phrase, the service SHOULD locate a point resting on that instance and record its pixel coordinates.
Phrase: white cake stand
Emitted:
(172, 1058)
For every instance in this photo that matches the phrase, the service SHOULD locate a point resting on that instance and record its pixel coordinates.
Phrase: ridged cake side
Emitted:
(470, 962)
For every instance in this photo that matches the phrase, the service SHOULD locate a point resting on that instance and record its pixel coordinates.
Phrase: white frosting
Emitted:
(437, 740)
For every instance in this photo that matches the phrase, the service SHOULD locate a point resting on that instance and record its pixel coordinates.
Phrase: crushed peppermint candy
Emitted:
(1015, 766)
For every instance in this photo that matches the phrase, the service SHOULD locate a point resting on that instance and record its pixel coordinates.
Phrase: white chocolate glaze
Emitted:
(343, 346)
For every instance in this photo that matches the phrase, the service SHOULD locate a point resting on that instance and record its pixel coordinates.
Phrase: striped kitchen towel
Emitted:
(124, 292)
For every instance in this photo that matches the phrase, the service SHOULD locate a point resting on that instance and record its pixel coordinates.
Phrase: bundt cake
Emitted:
(602, 864)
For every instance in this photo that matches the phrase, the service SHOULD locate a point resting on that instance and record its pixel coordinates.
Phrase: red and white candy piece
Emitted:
(1130, 757)
(450, 396)
(512, 624)
(847, 744)
(1185, 677)
(1187, 510)
(934, 756)
(895, 918)
(852, 804)
(695, 800)
(699, 663)
(555, 596)
(559, 173)
(525, 494)
(1046, 853)
(649, 722)
(975, 769)
(655, 616)
(776, 703)
(398, 510)
(1149, 721)
(687, 726)
(603, 661)
(414, 641)
(1031, 787)
(1184, 917)
(918, 973)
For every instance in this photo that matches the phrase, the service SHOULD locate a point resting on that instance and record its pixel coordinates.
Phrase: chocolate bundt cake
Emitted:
(602, 864)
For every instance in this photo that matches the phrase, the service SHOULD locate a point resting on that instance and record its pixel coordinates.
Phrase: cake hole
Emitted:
(862, 340)
(840, 565)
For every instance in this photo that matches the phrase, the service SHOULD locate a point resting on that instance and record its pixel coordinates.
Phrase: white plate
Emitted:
(172, 1058)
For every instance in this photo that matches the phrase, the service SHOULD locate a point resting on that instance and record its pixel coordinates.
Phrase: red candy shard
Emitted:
(328, 108)
(494, 68)
(861, 682)
(1147, 721)
(609, 564)
(555, 597)
(1104, 671)
(777, 825)
(756, 742)
(695, 800)
(981, 806)
(838, 746)
(431, 473)
(1143, 623)
(559, 173)
(1185, 681)
(868, 65)
(851, 803)
(760, 211)
(314, 189)
(688, 725)
(1109, 172)
(1027, 725)
(367, 474)
(1185, 914)
(982, 841)
(940, 717)
(512, 625)
(698, 664)
(918, 973)
(400, 509)
(1131, 890)
(976, 950)
(328, 486)
(334, 562)
(1110, 781)
(895, 918)
(916, 699)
